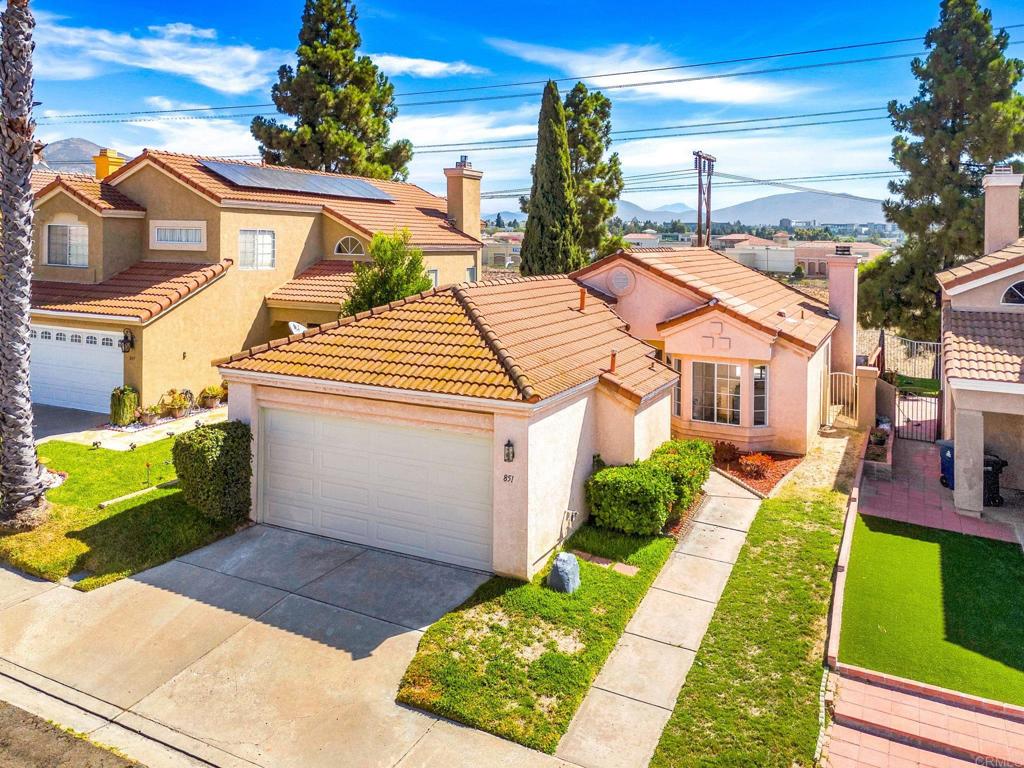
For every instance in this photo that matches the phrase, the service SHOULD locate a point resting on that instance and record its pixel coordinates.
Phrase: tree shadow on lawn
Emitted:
(982, 589)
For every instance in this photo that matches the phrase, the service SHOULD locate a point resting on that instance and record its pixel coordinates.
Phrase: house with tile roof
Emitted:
(181, 260)
(458, 425)
(754, 357)
(983, 348)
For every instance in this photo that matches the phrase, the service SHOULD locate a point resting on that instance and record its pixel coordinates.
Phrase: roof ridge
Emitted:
(511, 280)
(512, 368)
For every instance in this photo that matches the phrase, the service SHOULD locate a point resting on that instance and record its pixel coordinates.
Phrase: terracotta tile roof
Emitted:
(98, 195)
(1006, 258)
(747, 240)
(983, 346)
(41, 177)
(423, 214)
(142, 291)
(326, 282)
(743, 292)
(520, 339)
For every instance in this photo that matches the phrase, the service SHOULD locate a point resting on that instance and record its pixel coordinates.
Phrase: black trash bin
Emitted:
(994, 466)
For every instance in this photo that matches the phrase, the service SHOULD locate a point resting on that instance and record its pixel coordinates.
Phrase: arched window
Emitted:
(76, 338)
(107, 342)
(349, 247)
(1014, 294)
(45, 335)
(90, 340)
(61, 336)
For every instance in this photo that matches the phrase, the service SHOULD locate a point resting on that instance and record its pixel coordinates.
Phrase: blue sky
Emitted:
(106, 56)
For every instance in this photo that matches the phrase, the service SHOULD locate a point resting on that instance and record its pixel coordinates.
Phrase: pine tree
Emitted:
(499, 222)
(965, 117)
(396, 271)
(342, 104)
(551, 243)
(588, 121)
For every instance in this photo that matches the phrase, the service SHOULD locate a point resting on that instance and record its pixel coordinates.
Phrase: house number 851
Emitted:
(510, 478)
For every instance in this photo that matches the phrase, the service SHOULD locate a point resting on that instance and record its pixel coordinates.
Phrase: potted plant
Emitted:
(149, 415)
(177, 405)
(211, 396)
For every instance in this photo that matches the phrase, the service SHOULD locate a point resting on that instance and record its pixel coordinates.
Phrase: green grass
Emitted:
(936, 606)
(115, 542)
(517, 658)
(751, 697)
(917, 386)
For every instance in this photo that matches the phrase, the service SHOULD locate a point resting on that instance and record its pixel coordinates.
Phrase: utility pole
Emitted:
(705, 166)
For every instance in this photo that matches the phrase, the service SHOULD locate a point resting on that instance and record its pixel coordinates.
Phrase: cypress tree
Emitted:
(551, 243)
(965, 117)
(342, 104)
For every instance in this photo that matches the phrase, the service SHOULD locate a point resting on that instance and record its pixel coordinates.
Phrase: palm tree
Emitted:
(21, 483)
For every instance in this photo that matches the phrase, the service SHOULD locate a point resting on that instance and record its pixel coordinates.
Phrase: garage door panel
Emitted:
(74, 367)
(415, 490)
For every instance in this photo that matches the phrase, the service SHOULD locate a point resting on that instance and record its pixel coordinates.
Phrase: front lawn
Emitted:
(751, 697)
(936, 606)
(517, 658)
(112, 543)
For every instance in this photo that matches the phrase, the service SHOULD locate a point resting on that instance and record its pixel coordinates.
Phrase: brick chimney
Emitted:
(464, 197)
(107, 161)
(842, 304)
(1002, 207)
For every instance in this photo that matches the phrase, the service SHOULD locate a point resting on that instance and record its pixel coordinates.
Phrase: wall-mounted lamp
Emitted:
(127, 342)
(510, 451)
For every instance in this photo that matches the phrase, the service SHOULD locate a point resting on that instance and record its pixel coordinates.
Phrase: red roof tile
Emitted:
(141, 292)
(1005, 258)
(326, 282)
(983, 346)
(98, 195)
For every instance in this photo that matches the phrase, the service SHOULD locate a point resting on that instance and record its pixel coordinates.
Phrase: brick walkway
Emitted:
(877, 726)
(914, 495)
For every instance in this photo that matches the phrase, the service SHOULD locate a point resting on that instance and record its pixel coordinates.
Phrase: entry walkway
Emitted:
(621, 719)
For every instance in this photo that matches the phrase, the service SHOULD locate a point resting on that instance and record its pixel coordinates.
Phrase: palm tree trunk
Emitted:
(21, 485)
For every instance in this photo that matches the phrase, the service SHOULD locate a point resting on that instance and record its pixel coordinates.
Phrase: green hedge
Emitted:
(214, 466)
(638, 498)
(124, 404)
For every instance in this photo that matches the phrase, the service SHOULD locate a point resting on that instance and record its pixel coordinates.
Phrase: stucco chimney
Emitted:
(1002, 207)
(842, 304)
(107, 161)
(464, 197)
(781, 239)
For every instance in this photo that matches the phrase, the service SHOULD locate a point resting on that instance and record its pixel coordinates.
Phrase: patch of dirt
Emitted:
(783, 464)
(544, 636)
(27, 741)
(678, 524)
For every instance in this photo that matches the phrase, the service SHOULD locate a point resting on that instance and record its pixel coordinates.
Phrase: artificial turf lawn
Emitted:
(917, 386)
(751, 697)
(516, 659)
(936, 606)
(112, 543)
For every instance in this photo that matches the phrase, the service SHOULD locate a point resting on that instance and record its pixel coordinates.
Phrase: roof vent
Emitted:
(464, 162)
(843, 250)
(781, 313)
(1002, 169)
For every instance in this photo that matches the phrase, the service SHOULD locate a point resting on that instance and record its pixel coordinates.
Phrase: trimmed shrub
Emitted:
(124, 404)
(632, 499)
(726, 452)
(688, 463)
(214, 466)
(756, 465)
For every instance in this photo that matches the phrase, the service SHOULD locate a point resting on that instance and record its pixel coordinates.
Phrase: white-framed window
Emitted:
(166, 235)
(716, 393)
(677, 391)
(760, 395)
(471, 274)
(67, 245)
(45, 335)
(256, 249)
(76, 338)
(1014, 294)
(90, 340)
(350, 248)
(60, 336)
(432, 274)
(107, 342)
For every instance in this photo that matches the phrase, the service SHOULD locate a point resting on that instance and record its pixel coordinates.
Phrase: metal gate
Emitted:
(918, 415)
(839, 408)
(918, 397)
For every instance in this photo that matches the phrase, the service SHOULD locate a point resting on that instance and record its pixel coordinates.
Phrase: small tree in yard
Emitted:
(395, 272)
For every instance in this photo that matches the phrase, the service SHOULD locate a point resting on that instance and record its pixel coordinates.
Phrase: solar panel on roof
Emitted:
(283, 179)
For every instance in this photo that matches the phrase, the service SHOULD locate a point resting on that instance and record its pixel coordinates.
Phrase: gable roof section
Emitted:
(987, 266)
(327, 282)
(983, 346)
(411, 207)
(88, 190)
(743, 292)
(139, 293)
(521, 340)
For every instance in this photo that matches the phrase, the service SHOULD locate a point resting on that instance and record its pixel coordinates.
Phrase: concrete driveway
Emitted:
(270, 648)
(51, 421)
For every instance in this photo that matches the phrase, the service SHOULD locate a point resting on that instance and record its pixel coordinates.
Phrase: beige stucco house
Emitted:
(753, 355)
(983, 348)
(182, 260)
(458, 425)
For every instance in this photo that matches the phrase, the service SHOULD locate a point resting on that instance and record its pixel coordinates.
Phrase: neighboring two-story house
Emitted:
(152, 269)
(983, 348)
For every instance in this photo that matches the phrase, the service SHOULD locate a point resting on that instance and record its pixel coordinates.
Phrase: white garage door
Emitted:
(424, 492)
(75, 367)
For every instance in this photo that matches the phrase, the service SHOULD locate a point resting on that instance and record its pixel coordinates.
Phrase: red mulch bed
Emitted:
(784, 464)
(677, 524)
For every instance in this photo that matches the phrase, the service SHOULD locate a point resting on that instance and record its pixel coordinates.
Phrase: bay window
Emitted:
(716, 393)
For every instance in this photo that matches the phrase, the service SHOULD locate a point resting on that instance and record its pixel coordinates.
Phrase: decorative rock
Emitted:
(565, 573)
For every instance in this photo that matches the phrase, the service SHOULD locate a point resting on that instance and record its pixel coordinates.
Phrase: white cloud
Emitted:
(75, 53)
(182, 29)
(393, 64)
(625, 57)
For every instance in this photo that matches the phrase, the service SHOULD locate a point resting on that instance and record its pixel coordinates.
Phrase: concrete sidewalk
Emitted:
(621, 719)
